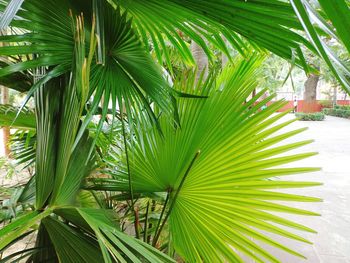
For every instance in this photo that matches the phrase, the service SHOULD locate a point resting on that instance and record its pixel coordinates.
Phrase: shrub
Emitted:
(327, 111)
(317, 116)
(338, 111)
(342, 107)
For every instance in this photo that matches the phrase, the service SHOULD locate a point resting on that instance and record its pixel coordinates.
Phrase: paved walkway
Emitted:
(332, 141)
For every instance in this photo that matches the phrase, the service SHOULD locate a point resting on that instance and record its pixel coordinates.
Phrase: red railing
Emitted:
(305, 106)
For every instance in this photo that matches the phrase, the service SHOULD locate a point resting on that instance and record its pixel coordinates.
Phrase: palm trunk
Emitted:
(201, 60)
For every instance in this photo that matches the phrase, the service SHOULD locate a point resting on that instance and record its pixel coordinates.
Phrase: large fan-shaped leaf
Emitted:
(220, 171)
(128, 72)
(265, 23)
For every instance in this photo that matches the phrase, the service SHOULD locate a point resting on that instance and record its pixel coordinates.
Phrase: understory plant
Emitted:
(316, 116)
(130, 168)
(342, 111)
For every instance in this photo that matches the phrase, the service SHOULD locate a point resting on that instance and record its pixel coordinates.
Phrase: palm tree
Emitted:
(199, 159)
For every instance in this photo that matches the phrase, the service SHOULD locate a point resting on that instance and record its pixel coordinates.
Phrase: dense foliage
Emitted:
(131, 166)
(338, 111)
(317, 116)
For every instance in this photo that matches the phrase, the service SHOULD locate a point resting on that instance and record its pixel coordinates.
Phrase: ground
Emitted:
(332, 243)
(332, 142)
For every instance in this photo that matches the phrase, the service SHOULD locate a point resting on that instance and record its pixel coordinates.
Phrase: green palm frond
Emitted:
(9, 13)
(70, 244)
(47, 109)
(215, 172)
(63, 158)
(338, 13)
(220, 171)
(128, 78)
(39, 35)
(264, 23)
(23, 147)
(114, 245)
(59, 106)
(19, 81)
(128, 73)
(271, 25)
(74, 147)
(92, 235)
(335, 10)
(9, 118)
(20, 226)
(44, 249)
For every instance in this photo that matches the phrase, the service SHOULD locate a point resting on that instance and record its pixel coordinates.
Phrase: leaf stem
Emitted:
(153, 208)
(129, 178)
(175, 197)
(156, 236)
(145, 229)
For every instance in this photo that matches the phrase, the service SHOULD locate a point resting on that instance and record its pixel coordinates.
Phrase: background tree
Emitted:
(310, 92)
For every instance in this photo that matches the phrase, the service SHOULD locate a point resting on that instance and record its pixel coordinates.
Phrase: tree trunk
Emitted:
(200, 58)
(224, 58)
(311, 87)
(6, 130)
(335, 89)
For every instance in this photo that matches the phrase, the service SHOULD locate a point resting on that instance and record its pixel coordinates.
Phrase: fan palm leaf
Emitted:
(218, 165)
(127, 73)
(264, 24)
(230, 18)
(63, 159)
(219, 170)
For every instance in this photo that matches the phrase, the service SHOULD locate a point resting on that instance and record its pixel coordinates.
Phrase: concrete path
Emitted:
(332, 141)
